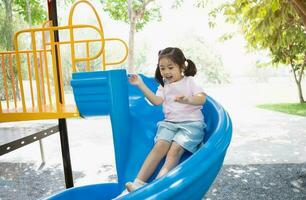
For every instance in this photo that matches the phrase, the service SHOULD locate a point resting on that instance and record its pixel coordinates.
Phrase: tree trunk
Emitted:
(29, 13)
(131, 68)
(132, 19)
(298, 82)
(8, 38)
(300, 92)
(9, 24)
(134, 15)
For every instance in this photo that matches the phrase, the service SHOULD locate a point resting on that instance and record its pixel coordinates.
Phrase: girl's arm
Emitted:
(136, 80)
(196, 100)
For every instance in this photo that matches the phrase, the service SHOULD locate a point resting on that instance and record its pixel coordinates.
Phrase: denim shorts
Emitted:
(189, 134)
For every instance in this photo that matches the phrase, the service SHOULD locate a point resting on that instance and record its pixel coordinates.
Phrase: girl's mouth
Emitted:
(169, 79)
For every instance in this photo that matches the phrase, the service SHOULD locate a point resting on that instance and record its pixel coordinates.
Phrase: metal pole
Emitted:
(42, 153)
(52, 10)
(65, 153)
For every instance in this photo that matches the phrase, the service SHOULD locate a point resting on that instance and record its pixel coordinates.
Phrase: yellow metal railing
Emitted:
(42, 66)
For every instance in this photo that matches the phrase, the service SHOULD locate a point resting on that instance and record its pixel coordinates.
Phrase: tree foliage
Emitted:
(13, 10)
(137, 13)
(38, 12)
(274, 25)
(119, 10)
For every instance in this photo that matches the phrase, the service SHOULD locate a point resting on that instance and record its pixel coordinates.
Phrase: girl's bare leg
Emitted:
(173, 157)
(159, 150)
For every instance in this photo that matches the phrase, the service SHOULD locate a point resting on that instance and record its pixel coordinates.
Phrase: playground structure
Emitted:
(40, 64)
(104, 93)
(41, 58)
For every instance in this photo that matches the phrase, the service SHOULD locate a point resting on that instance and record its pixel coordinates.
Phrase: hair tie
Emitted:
(186, 63)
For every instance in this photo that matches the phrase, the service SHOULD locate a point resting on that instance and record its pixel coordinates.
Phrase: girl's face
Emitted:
(170, 70)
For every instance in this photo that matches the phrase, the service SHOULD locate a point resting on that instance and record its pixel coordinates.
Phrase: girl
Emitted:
(182, 100)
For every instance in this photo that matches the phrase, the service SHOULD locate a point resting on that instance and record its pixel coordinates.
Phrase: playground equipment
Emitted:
(108, 93)
(41, 64)
(37, 74)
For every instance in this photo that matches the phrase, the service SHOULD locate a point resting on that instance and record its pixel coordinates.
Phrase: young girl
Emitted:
(182, 100)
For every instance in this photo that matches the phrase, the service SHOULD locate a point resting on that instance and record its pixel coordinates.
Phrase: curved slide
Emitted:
(133, 121)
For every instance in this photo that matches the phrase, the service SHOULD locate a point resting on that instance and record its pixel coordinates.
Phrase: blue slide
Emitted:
(134, 121)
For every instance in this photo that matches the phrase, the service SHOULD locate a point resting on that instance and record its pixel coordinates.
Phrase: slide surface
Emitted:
(134, 122)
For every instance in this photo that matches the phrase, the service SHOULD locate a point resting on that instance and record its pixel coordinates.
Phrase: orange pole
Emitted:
(46, 65)
(36, 70)
(30, 79)
(13, 80)
(5, 83)
(42, 77)
(48, 78)
(18, 63)
(55, 77)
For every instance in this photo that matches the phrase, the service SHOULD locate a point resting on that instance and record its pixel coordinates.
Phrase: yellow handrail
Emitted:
(30, 78)
(45, 24)
(42, 65)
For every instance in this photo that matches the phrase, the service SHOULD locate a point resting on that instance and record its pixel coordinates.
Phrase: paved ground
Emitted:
(260, 182)
(266, 159)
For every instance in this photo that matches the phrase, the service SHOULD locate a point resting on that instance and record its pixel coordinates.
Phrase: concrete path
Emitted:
(267, 156)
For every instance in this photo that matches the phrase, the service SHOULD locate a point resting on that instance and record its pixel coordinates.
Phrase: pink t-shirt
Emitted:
(179, 112)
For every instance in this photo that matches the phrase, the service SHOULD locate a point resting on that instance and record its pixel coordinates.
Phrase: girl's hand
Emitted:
(134, 79)
(196, 100)
(182, 99)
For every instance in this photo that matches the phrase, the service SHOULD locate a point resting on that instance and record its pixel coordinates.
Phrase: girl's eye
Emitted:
(161, 69)
(170, 68)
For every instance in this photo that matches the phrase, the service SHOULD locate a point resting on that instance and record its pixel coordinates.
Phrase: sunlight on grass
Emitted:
(289, 108)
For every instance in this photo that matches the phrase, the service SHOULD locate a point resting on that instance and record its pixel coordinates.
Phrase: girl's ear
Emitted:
(182, 71)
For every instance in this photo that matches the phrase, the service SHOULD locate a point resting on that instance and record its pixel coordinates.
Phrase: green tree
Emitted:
(6, 29)
(292, 52)
(276, 25)
(32, 12)
(137, 13)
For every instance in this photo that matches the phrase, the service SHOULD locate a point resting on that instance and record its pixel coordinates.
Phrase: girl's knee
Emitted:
(175, 152)
(161, 147)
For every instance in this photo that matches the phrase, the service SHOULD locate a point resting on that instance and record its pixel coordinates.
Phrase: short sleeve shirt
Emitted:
(179, 112)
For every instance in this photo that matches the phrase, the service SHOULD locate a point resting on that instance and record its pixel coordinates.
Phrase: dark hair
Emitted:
(176, 55)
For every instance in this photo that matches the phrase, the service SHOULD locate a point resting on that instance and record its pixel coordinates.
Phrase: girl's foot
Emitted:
(131, 186)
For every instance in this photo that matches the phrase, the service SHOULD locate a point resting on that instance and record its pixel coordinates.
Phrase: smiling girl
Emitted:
(183, 127)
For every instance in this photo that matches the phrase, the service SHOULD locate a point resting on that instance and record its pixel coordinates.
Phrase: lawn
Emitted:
(289, 108)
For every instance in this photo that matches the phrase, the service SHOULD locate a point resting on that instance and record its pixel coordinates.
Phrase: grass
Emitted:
(289, 108)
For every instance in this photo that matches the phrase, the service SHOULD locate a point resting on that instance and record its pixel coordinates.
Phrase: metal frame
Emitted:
(21, 142)
(62, 125)
(52, 11)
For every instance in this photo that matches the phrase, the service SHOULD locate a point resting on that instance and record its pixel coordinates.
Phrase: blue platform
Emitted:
(134, 121)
